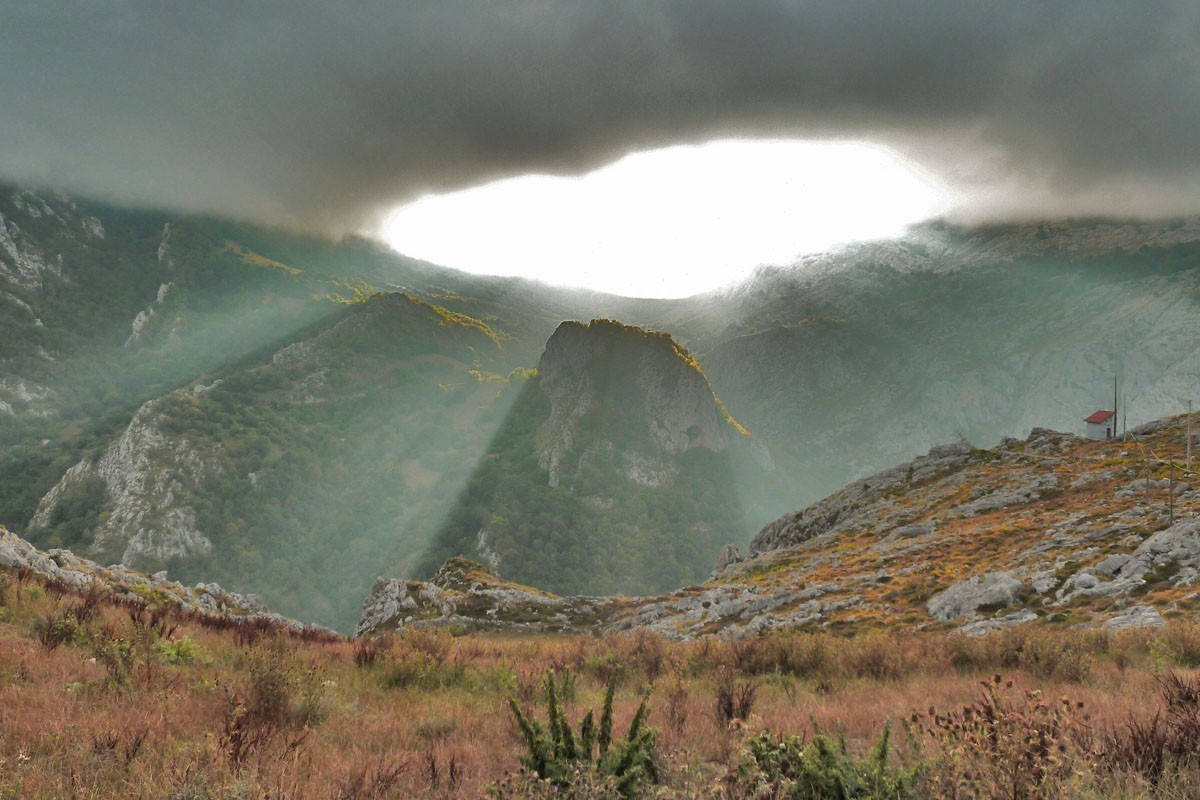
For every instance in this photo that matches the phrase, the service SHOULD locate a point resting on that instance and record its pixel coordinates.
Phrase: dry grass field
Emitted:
(107, 699)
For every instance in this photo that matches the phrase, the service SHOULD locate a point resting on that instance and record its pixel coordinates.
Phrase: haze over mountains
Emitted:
(237, 404)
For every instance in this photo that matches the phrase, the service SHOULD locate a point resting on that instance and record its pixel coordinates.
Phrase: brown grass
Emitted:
(208, 710)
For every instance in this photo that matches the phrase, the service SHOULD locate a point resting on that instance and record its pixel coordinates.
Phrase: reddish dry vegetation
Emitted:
(100, 698)
(1087, 502)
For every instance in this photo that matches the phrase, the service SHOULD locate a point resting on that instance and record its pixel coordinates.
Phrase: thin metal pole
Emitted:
(1147, 482)
(1171, 494)
(1189, 438)
(1115, 417)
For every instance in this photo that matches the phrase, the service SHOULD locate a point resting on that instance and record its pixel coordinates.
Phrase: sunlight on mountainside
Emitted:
(672, 222)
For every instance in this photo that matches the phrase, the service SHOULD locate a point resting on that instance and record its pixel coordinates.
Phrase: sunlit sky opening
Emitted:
(672, 222)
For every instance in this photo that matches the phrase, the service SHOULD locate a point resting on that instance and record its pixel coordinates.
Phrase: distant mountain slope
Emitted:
(131, 306)
(301, 474)
(614, 472)
(857, 359)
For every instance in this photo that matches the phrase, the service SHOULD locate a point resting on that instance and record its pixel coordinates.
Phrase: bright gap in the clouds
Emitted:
(672, 222)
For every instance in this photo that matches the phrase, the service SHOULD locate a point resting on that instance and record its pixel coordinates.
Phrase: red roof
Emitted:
(1099, 416)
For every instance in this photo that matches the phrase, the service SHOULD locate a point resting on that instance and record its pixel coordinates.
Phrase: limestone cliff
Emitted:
(150, 479)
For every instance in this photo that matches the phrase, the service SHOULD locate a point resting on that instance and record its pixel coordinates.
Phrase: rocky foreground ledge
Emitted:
(1053, 529)
(81, 574)
(466, 595)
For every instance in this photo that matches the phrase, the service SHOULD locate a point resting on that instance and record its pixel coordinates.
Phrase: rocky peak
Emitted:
(615, 450)
(648, 388)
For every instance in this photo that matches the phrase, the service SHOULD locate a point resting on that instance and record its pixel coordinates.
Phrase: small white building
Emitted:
(1101, 425)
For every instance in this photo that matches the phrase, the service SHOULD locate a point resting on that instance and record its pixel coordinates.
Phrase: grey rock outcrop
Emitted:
(466, 594)
(1140, 616)
(1022, 495)
(910, 531)
(727, 605)
(1176, 547)
(393, 603)
(729, 555)
(964, 599)
(82, 574)
(985, 626)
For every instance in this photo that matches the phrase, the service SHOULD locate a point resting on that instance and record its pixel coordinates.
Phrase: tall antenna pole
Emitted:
(1189, 437)
(1115, 417)
(1171, 494)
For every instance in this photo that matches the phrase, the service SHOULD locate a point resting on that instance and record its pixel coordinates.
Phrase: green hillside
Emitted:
(308, 472)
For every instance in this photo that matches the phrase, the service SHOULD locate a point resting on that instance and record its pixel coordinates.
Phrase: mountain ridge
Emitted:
(841, 365)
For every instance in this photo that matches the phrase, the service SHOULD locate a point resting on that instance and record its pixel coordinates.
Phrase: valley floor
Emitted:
(106, 697)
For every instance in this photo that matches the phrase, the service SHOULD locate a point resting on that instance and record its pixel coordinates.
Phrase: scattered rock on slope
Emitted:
(862, 502)
(81, 574)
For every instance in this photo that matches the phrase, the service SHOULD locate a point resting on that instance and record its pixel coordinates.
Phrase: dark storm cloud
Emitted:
(319, 114)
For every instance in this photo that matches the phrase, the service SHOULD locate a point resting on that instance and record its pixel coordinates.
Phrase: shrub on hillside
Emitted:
(55, 628)
(821, 768)
(1049, 655)
(735, 699)
(1023, 749)
(1167, 741)
(280, 693)
(556, 754)
(1179, 641)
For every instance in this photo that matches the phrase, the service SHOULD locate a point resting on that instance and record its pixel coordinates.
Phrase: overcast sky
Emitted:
(323, 114)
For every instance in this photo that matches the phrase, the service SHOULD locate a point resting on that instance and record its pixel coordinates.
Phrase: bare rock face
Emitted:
(1140, 616)
(1034, 489)
(148, 476)
(20, 259)
(605, 363)
(142, 322)
(19, 397)
(1175, 549)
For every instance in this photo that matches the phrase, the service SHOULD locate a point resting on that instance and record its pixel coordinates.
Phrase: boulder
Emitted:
(985, 626)
(964, 599)
(1136, 617)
